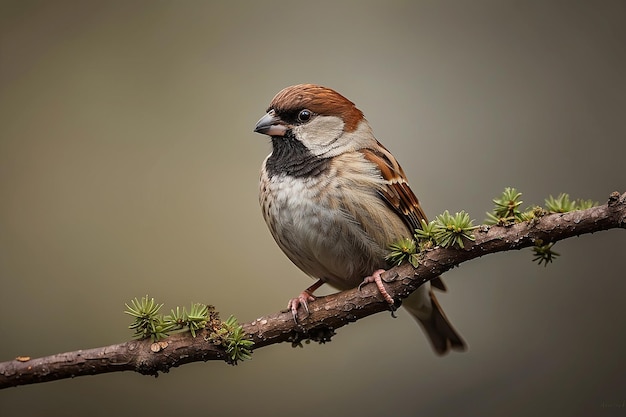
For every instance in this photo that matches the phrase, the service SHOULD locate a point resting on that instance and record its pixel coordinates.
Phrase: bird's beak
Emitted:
(271, 125)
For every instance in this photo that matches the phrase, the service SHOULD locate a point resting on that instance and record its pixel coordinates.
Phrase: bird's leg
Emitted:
(377, 279)
(303, 299)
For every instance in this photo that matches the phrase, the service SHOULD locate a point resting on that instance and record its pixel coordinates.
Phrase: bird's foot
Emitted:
(377, 279)
(301, 300)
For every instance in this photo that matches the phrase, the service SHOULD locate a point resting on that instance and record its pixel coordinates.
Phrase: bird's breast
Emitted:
(332, 228)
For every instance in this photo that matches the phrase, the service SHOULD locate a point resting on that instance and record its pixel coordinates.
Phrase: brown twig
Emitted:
(326, 313)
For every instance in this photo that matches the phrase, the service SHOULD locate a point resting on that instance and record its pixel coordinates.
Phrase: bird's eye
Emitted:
(304, 116)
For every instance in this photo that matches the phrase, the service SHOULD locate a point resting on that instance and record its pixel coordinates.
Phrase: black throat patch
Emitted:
(291, 157)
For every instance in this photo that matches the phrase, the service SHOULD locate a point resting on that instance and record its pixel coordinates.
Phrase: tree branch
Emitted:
(326, 313)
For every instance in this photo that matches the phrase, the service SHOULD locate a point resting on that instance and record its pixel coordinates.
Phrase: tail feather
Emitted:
(438, 283)
(430, 316)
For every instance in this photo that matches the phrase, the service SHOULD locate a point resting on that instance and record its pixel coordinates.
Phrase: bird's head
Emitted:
(320, 120)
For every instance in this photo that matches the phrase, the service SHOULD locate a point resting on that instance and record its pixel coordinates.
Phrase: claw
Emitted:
(303, 300)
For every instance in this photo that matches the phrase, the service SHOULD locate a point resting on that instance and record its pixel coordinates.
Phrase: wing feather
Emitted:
(397, 192)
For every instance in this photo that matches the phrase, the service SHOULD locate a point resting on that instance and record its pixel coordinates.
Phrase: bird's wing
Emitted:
(397, 193)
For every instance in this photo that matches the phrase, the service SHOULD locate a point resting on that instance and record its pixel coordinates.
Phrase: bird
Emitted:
(334, 199)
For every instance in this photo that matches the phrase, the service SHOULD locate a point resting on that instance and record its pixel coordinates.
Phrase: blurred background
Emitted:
(128, 166)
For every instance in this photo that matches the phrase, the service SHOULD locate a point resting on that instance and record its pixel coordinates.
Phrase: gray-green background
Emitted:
(128, 166)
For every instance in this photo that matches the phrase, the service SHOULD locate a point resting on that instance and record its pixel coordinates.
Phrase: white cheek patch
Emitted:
(320, 133)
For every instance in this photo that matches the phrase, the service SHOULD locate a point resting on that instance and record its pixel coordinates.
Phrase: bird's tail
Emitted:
(423, 306)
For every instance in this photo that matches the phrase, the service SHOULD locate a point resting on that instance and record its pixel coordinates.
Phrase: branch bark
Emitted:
(326, 313)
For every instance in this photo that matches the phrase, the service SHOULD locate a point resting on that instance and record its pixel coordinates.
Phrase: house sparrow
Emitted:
(334, 199)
